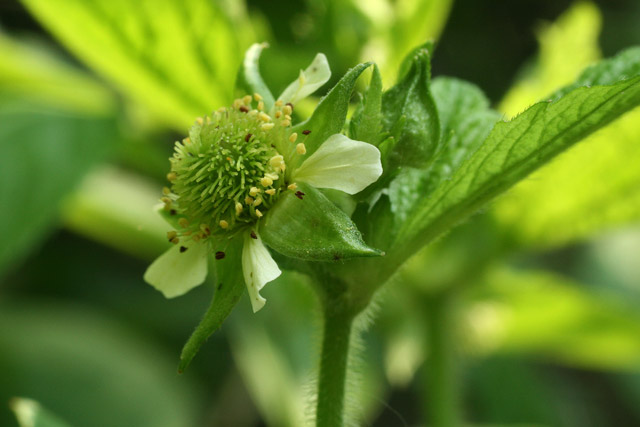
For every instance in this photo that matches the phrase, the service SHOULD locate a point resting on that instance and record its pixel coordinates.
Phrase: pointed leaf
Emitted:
(331, 113)
(365, 125)
(249, 77)
(229, 286)
(513, 150)
(306, 225)
(410, 100)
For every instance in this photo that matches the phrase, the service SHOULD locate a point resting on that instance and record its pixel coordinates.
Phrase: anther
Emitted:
(278, 114)
(238, 208)
(175, 240)
(248, 200)
(264, 117)
(276, 161)
(290, 105)
(200, 121)
(285, 123)
(224, 224)
(205, 229)
(258, 213)
(253, 192)
(172, 176)
(301, 149)
(293, 137)
(287, 109)
(266, 181)
(247, 99)
(271, 191)
(292, 186)
(257, 202)
(267, 126)
(171, 235)
(257, 97)
(166, 191)
(287, 117)
(183, 222)
(261, 105)
(279, 103)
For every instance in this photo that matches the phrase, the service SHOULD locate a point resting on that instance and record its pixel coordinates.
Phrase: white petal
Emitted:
(342, 164)
(175, 273)
(258, 268)
(310, 80)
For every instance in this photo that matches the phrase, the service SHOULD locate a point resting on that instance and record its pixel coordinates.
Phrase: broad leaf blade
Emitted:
(178, 59)
(513, 150)
(331, 113)
(229, 287)
(306, 225)
(249, 77)
(409, 112)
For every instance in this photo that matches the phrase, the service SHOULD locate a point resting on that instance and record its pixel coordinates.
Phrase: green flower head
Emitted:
(235, 166)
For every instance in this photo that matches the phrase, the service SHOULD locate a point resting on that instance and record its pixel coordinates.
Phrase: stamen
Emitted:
(257, 97)
(292, 186)
(248, 200)
(260, 105)
(253, 192)
(224, 224)
(267, 126)
(257, 202)
(264, 117)
(271, 191)
(285, 123)
(172, 176)
(301, 148)
(166, 191)
(200, 121)
(266, 181)
(279, 103)
(238, 208)
(175, 240)
(287, 109)
(171, 235)
(247, 99)
(258, 213)
(278, 114)
(293, 137)
(183, 222)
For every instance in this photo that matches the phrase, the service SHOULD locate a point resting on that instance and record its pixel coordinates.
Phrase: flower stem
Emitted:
(338, 321)
(443, 389)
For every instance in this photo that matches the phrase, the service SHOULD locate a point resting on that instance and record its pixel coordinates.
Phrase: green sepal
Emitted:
(250, 80)
(330, 115)
(417, 141)
(305, 225)
(365, 125)
(229, 287)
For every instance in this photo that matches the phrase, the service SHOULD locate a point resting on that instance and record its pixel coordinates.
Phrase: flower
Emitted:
(234, 166)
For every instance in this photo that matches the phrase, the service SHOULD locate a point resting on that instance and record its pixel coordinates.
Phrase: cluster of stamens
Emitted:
(229, 171)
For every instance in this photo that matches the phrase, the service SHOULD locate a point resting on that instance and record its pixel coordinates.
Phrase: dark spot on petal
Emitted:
(220, 286)
(247, 137)
(251, 274)
(183, 249)
(220, 255)
(253, 235)
(244, 109)
(299, 194)
(306, 132)
(173, 212)
(336, 257)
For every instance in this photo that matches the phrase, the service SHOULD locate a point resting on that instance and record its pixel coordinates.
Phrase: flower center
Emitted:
(228, 172)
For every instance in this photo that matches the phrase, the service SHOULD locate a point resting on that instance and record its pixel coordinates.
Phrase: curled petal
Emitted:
(178, 270)
(310, 80)
(342, 164)
(258, 268)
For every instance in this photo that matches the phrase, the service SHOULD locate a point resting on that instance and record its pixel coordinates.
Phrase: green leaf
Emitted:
(31, 71)
(331, 113)
(229, 284)
(178, 59)
(31, 414)
(306, 225)
(512, 151)
(249, 77)
(530, 312)
(465, 121)
(45, 154)
(410, 101)
(365, 125)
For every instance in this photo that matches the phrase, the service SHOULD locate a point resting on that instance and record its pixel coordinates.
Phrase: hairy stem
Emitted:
(443, 388)
(338, 323)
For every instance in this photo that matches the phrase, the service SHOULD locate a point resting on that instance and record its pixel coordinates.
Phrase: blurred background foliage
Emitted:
(545, 282)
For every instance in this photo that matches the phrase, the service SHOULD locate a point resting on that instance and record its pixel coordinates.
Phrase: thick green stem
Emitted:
(338, 322)
(443, 388)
